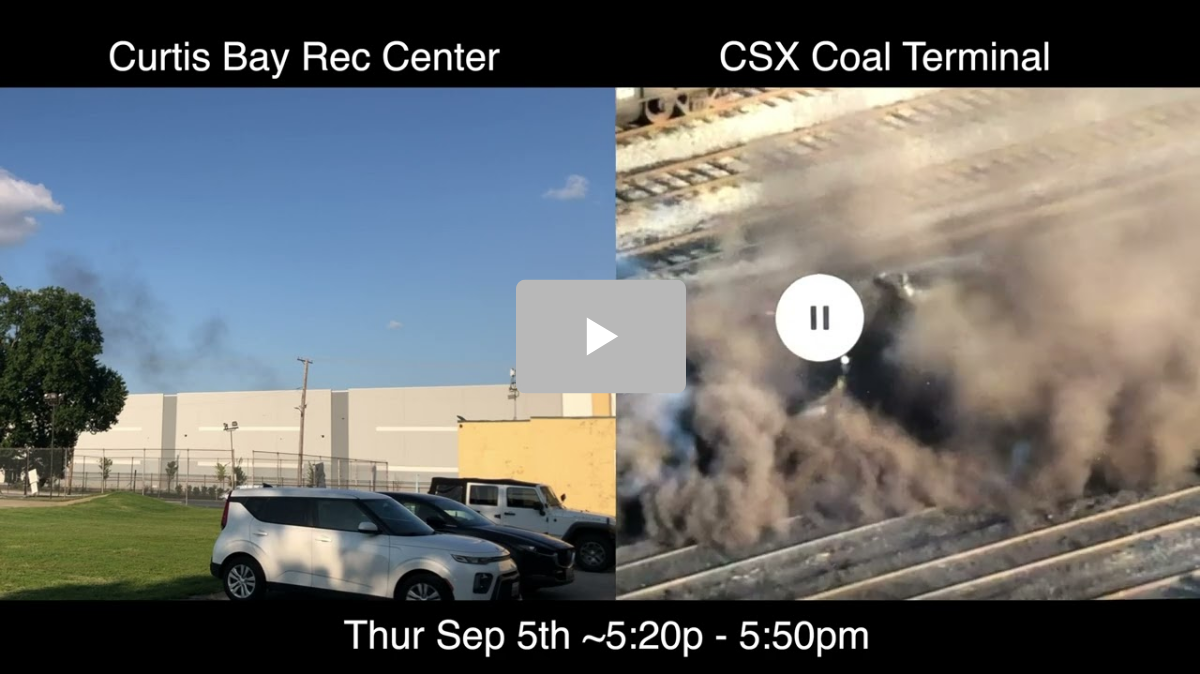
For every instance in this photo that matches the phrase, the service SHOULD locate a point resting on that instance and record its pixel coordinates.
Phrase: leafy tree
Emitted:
(172, 471)
(105, 471)
(222, 473)
(50, 344)
(239, 475)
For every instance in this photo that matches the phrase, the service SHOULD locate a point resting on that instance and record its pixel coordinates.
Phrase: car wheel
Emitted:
(423, 587)
(243, 579)
(594, 553)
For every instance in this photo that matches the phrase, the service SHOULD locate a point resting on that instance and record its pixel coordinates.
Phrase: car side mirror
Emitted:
(541, 509)
(436, 522)
(368, 528)
(562, 497)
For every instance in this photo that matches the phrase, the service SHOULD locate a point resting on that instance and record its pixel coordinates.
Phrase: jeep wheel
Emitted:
(594, 553)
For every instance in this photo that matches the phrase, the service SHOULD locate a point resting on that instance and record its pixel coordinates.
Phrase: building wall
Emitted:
(575, 456)
(139, 426)
(413, 430)
(576, 405)
(133, 445)
(416, 429)
(267, 441)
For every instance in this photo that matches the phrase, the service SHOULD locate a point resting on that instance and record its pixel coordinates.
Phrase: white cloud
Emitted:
(394, 325)
(576, 188)
(18, 201)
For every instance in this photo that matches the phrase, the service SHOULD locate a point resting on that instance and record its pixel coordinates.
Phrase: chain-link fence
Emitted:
(286, 469)
(183, 474)
(289, 469)
(283, 469)
(187, 475)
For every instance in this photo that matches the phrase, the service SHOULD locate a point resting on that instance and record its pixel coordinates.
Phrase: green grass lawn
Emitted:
(120, 546)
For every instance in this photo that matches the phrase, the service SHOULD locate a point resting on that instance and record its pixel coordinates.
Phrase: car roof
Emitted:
(305, 492)
(416, 496)
(484, 480)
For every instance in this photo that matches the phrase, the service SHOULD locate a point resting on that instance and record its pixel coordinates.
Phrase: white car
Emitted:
(351, 542)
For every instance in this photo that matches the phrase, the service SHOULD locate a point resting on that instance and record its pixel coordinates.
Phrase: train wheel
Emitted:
(658, 110)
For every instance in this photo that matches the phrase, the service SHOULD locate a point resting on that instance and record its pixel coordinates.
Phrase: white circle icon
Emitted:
(819, 318)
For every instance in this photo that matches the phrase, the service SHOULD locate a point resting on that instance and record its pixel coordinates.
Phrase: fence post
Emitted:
(144, 464)
(103, 469)
(187, 478)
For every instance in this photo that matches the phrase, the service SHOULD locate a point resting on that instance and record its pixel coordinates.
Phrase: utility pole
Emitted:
(513, 392)
(303, 405)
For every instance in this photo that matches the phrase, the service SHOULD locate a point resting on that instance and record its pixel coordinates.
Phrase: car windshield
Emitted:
(549, 497)
(398, 519)
(462, 515)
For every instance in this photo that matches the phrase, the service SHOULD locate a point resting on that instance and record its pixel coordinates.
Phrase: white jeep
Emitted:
(534, 507)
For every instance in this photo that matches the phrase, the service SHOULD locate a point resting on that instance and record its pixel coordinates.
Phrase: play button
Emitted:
(650, 317)
(597, 336)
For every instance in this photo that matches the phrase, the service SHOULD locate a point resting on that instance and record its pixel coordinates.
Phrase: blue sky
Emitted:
(224, 233)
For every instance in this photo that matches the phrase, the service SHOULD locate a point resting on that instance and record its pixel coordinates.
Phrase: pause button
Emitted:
(824, 324)
(819, 318)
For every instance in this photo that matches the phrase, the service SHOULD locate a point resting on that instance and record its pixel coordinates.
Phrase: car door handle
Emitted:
(324, 539)
(511, 514)
(496, 516)
(260, 533)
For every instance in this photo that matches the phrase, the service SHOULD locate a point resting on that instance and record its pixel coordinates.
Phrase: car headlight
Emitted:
(469, 559)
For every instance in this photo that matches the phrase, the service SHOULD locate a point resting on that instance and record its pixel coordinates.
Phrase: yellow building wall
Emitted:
(577, 457)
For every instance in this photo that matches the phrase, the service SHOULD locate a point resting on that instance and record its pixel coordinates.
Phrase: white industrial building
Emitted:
(395, 436)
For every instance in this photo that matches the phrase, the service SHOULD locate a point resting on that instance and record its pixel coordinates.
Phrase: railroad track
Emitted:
(957, 179)
(733, 103)
(678, 180)
(1180, 586)
(1097, 201)
(1094, 548)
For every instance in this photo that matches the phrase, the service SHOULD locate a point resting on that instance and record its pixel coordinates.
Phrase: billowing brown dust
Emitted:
(1085, 340)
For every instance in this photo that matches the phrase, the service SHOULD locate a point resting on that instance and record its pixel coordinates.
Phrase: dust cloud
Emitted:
(1068, 361)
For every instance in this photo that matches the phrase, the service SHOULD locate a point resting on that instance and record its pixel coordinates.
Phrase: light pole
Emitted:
(53, 399)
(230, 428)
(513, 393)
